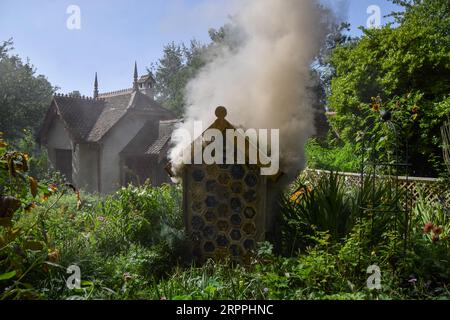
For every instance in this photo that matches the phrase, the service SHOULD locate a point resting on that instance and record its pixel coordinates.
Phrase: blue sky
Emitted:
(115, 33)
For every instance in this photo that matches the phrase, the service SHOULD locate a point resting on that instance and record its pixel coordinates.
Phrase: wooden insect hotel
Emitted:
(225, 205)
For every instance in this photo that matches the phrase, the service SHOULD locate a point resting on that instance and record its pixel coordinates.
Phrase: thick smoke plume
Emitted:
(264, 80)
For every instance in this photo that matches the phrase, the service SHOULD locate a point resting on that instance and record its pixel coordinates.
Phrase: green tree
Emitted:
(24, 96)
(408, 67)
(178, 65)
(75, 94)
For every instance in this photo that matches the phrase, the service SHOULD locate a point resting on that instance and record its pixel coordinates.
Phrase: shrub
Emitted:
(324, 206)
(334, 158)
(25, 247)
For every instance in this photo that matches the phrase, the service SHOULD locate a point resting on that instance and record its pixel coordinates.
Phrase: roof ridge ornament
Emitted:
(95, 87)
(135, 82)
(221, 123)
(128, 90)
(221, 112)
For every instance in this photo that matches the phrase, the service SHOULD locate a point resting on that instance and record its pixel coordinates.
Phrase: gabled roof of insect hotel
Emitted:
(223, 125)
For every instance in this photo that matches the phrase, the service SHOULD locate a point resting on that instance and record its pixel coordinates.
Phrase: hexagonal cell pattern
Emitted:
(222, 240)
(223, 203)
(197, 191)
(210, 216)
(223, 210)
(197, 223)
(251, 180)
(249, 212)
(236, 219)
(235, 234)
(212, 171)
(222, 193)
(249, 228)
(237, 171)
(236, 187)
(236, 205)
(211, 201)
(223, 225)
(209, 232)
(223, 178)
(197, 206)
(211, 186)
(250, 196)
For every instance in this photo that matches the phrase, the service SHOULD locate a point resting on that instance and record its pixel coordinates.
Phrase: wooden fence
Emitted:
(432, 189)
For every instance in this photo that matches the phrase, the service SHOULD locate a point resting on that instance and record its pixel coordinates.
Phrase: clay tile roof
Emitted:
(88, 120)
(79, 114)
(159, 144)
(166, 128)
(116, 108)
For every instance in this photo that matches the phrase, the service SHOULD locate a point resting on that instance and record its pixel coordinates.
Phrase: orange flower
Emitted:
(53, 255)
(296, 196)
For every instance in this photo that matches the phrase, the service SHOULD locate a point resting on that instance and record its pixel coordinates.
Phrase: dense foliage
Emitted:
(44, 228)
(405, 68)
(321, 155)
(24, 96)
(177, 66)
(131, 245)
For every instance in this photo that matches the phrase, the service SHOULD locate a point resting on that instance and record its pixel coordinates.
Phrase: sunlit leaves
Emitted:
(404, 69)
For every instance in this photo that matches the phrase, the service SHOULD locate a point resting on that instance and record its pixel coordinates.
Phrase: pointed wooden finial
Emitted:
(95, 87)
(221, 113)
(135, 82)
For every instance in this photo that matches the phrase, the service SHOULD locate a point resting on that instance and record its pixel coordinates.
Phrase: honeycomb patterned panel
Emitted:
(224, 206)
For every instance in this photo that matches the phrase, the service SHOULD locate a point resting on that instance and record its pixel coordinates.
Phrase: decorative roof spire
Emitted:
(95, 87)
(135, 82)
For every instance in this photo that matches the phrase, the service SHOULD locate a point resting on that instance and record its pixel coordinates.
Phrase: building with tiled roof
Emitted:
(106, 141)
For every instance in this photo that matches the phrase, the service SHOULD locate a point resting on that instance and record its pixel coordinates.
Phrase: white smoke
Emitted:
(263, 82)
